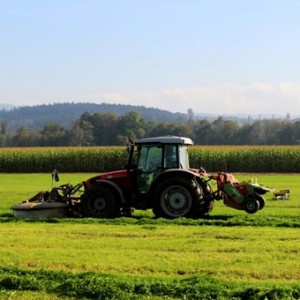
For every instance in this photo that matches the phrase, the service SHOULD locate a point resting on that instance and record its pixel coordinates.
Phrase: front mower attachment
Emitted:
(61, 201)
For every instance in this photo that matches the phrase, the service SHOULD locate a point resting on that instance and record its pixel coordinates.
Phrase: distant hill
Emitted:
(35, 117)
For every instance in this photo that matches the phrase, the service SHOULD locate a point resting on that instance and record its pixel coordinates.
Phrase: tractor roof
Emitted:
(168, 139)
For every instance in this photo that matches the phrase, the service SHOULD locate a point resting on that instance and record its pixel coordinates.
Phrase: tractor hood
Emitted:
(114, 174)
(122, 178)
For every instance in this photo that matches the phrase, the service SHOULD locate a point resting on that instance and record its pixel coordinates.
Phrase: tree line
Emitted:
(102, 129)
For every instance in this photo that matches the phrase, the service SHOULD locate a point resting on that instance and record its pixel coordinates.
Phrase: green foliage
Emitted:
(102, 286)
(64, 114)
(102, 159)
(255, 159)
(82, 159)
(101, 125)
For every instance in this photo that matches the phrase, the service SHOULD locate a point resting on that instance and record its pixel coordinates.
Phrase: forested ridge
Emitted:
(111, 128)
(64, 114)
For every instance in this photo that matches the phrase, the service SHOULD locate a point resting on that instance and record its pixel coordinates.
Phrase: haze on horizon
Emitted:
(222, 57)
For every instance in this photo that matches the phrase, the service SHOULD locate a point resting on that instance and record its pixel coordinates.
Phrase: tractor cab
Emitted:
(151, 156)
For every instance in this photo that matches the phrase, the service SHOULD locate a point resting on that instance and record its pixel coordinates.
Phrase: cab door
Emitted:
(150, 163)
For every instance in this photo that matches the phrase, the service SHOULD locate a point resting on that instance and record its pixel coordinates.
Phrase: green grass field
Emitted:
(230, 255)
(18, 187)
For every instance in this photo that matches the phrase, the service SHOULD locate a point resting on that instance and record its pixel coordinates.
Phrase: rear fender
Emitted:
(170, 173)
(111, 185)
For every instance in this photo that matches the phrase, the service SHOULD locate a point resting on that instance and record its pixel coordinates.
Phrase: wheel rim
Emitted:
(176, 201)
(98, 205)
(252, 206)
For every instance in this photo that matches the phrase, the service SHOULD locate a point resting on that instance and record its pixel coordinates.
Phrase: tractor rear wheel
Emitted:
(176, 197)
(251, 205)
(100, 202)
(204, 209)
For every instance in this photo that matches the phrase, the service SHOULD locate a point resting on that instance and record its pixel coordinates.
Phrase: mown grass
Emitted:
(230, 255)
(101, 261)
(103, 286)
(245, 254)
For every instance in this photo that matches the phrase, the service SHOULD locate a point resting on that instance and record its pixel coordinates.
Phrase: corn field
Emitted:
(64, 159)
(252, 159)
(285, 159)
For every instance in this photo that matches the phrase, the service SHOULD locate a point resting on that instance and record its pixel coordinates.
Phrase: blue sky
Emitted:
(213, 56)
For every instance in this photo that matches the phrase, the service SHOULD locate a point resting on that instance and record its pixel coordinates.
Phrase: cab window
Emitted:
(150, 158)
(171, 156)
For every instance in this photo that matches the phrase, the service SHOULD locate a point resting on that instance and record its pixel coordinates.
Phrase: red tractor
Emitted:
(158, 177)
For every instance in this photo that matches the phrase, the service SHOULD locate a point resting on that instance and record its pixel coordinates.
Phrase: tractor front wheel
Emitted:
(100, 202)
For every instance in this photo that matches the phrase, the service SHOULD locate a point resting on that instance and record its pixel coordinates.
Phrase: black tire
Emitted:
(176, 197)
(261, 201)
(204, 209)
(251, 205)
(100, 202)
(205, 204)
